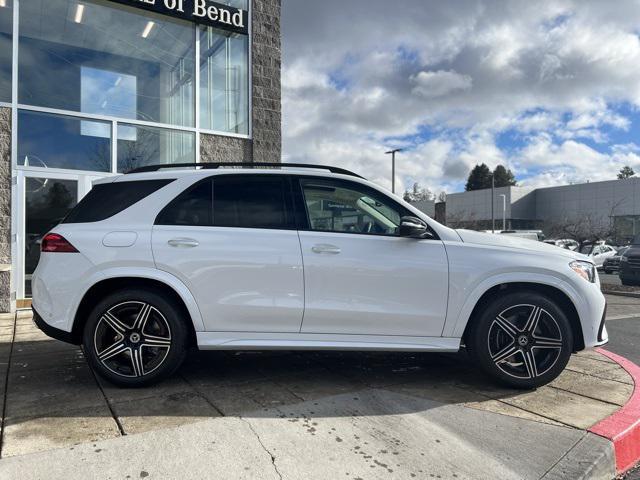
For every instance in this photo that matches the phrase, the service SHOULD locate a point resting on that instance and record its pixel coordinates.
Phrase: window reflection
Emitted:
(6, 28)
(57, 141)
(139, 146)
(224, 81)
(47, 202)
(106, 60)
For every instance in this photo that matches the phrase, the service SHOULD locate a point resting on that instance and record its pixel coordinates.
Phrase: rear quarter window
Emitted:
(107, 199)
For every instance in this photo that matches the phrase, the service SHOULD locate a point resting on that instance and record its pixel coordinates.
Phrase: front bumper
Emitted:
(52, 332)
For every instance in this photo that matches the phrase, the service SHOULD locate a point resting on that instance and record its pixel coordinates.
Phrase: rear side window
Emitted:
(246, 201)
(192, 207)
(107, 199)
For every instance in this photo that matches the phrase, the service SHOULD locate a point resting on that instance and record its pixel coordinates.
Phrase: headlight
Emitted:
(585, 269)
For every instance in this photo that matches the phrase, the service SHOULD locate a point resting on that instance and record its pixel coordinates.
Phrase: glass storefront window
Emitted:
(104, 59)
(6, 31)
(224, 81)
(57, 141)
(139, 146)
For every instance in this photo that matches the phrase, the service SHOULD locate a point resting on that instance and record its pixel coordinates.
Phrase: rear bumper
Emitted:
(52, 332)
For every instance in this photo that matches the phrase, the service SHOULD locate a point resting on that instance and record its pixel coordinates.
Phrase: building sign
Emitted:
(205, 12)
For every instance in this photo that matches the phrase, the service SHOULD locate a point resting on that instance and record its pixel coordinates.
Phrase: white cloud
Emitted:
(440, 83)
(358, 78)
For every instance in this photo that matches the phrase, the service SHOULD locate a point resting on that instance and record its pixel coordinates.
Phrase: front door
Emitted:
(232, 241)
(361, 277)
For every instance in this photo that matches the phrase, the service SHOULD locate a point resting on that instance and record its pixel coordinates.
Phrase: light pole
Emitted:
(493, 201)
(393, 167)
(504, 211)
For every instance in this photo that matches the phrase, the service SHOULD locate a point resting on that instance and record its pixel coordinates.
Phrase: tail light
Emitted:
(52, 242)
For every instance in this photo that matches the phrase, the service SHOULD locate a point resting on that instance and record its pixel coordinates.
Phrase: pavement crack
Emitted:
(273, 458)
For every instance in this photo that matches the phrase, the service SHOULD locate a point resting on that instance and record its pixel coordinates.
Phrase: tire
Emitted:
(135, 338)
(502, 343)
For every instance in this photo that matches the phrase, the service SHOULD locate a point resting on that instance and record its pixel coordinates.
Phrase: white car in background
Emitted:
(283, 256)
(564, 243)
(599, 252)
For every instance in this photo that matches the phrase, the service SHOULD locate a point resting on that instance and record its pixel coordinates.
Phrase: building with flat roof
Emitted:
(611, 206)
(94, 88)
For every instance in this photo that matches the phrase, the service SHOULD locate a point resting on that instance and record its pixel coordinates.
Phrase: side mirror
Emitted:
(413, 227)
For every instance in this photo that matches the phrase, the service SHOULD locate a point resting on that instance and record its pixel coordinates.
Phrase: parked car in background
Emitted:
(598, 252)
(612, 264)
(629, 271)
(535, 235)
(564, 243)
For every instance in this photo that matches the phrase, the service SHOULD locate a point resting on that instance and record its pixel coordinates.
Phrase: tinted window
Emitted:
(252, 202)
(192, 207)
(107, 199)
(349, 208)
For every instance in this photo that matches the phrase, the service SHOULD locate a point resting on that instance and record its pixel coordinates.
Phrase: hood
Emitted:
(509, 241)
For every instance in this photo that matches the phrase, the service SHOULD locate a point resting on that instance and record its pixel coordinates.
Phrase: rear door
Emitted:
(232, 240)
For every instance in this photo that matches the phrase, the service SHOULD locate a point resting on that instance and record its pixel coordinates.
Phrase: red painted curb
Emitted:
(623, 427)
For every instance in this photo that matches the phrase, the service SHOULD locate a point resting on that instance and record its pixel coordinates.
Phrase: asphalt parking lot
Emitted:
(296, 415)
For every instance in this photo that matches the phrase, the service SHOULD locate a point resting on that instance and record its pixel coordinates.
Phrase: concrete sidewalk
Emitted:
(299, 415)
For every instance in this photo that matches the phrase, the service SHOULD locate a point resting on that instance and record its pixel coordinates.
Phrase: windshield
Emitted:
(586, 249)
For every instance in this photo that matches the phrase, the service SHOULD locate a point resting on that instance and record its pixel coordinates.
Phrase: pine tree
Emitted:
(504, 177)
(626, 172)
(479, 178)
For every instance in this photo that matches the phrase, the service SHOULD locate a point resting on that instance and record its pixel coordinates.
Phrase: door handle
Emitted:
(326, 248)
(183, 242)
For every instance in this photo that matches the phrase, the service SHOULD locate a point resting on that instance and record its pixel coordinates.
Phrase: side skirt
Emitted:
(313, 341)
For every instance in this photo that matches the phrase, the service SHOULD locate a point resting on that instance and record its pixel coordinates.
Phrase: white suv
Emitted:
(284, 256)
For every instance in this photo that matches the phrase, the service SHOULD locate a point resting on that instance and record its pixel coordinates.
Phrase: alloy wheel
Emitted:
(132, 339)
(525, 341)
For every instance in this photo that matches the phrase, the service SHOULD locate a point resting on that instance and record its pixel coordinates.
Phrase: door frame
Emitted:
(84, 181)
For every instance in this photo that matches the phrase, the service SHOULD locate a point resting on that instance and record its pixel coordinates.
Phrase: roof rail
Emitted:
(214, 166)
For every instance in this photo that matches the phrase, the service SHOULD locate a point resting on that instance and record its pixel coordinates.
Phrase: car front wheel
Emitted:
(135, 338)
(521, 339)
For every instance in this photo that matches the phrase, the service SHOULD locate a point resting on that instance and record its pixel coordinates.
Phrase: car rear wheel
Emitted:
(135, 338)
(522, 339)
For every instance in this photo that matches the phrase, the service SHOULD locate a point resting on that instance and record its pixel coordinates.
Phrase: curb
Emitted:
(621, 294)
(623, 427)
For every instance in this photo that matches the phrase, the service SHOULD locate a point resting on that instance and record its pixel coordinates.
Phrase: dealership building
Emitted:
(611, 205)
(92, 88)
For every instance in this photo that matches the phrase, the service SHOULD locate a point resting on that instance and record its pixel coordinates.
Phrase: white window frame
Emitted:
(84, 178)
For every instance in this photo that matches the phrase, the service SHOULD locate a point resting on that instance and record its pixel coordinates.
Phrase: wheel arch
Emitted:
(561, 297)
(113, 283)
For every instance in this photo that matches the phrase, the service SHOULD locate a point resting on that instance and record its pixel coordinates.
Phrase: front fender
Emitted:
(456, 322)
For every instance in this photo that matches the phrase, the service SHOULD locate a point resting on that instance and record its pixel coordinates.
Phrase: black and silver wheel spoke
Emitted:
(532, 321)
(112, 351)
(505, 353)
(132, 339)
(530, 363)
(505, 325)
(542, 342)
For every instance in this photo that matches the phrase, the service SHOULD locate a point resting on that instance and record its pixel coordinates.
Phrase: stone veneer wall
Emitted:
(5, 209)
(266, 145)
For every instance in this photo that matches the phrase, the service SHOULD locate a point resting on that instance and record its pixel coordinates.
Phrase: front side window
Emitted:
(336, 206)
(104, 59)
(246, 201)
(6, 29)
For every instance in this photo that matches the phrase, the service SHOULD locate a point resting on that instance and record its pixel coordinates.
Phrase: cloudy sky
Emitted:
(549, 88)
